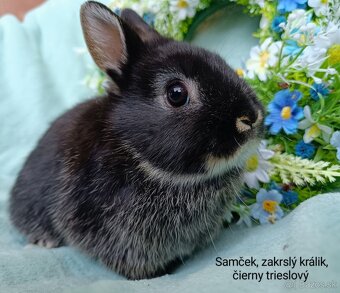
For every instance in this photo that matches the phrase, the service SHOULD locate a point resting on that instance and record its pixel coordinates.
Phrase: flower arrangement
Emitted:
(295, 72)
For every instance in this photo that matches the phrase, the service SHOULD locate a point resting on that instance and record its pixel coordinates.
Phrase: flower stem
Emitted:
(280, 56)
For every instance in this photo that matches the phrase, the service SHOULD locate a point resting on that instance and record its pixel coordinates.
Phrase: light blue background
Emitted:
(41, 77)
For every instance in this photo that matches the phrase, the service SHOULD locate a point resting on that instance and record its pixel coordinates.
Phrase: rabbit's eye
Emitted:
(177, 94)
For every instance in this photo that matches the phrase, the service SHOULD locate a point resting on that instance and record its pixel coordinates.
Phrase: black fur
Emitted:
(89, 183)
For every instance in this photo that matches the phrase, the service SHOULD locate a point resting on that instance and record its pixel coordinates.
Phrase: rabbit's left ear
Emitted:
(104, 36)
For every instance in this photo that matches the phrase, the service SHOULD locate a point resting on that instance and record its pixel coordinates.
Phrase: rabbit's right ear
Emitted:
(104, 36)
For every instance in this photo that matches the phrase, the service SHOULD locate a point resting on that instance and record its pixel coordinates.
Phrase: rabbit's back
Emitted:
(39, 182)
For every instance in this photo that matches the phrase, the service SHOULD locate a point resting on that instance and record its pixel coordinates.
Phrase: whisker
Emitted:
(237, 141)
(211, 239)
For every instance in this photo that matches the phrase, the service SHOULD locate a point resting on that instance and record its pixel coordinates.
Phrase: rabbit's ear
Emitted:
(104, 36)
(138, 25)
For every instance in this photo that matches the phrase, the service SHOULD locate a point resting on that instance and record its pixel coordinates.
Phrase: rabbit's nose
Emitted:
(245, 123)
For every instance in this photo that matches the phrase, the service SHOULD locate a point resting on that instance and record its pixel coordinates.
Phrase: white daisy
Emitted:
(183, 8)
(257, 166)
(320, 6)
(326, 45)
(261, 58)
(312, 128)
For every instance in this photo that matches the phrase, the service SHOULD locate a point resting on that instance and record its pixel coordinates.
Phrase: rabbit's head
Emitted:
(180, 110)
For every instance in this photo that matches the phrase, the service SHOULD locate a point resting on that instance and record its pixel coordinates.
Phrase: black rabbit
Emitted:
(142, 176)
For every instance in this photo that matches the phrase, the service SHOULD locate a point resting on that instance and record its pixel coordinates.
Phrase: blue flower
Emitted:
(276, 23)
(318, 88)
(267, 208)
(290, 5)
(149, 18)
(335, 141)
(288, 196)
(304, 150)
(291, 48)
(284, 112)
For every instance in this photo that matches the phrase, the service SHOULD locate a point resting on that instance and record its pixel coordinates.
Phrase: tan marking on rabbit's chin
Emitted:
(164, 176)
(216, 165)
